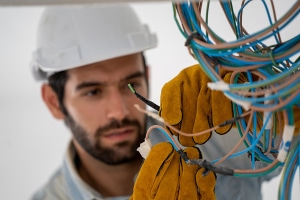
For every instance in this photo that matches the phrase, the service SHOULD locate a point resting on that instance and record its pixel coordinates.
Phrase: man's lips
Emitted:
(119, 134)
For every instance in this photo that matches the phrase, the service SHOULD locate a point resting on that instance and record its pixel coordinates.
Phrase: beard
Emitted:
(108, 155)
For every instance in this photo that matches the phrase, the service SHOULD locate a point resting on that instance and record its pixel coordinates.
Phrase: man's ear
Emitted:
(51, 100)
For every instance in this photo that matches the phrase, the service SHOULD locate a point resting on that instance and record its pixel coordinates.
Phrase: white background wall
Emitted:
(32, 143)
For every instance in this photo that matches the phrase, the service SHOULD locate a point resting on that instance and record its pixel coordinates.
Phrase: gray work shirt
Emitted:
(66, 184)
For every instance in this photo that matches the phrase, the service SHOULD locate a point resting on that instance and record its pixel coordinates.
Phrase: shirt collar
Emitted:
(78, 188)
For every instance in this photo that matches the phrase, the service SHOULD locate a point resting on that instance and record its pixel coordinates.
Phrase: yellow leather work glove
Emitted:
(164, 175)
(193, 185)
(190, 106)
(296, 110)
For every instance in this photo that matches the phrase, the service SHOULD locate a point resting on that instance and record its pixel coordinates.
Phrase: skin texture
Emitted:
(105, 125)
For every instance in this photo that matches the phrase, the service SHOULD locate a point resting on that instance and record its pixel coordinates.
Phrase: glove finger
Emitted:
(188, 186)
(179, 100)
(221, 108)
(189, 114)
(170, 101)
(203, 111)
(166, 186)
(221, 111)
(169, 106)
(153, 170)
(206, 184)
(194, 78)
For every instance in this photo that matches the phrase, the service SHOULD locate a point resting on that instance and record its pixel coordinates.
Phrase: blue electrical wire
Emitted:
(251, 147)
(168, 137)
(289, 169)
(277, 63)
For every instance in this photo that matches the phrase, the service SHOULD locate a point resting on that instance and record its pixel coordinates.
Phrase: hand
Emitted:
(190, 106)
(164, 175)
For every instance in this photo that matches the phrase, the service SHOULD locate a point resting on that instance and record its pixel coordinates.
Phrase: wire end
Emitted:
(131, 88)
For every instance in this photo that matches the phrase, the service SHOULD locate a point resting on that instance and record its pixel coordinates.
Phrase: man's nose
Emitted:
(117, 106)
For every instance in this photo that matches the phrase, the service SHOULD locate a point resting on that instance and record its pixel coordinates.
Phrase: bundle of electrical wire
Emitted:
(272, 91)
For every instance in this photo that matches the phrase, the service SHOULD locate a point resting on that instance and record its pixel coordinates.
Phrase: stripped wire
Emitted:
(146, 101)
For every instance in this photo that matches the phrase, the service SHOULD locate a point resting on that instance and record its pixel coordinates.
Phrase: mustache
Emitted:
(114, 124)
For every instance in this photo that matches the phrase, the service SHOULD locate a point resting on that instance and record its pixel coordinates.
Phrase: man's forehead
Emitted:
(105, 79)
(117, 69)
(118, 63)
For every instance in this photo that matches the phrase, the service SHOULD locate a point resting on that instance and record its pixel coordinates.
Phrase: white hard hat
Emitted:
(73, 36)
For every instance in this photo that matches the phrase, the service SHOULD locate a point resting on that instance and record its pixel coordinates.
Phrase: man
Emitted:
(87, 56)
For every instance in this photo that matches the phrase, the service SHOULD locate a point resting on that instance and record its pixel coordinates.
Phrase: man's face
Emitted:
(100, 106)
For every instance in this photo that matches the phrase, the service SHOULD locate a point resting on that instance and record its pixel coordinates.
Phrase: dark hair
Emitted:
(58, 81)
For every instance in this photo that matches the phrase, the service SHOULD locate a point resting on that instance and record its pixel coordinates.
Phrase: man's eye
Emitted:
(134, 85)
(93, 92)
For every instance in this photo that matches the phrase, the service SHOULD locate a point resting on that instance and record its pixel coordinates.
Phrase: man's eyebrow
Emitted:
(87, 84)
(134, 75)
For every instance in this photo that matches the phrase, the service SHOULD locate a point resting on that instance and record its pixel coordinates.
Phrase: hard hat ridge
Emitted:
(75, 36)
